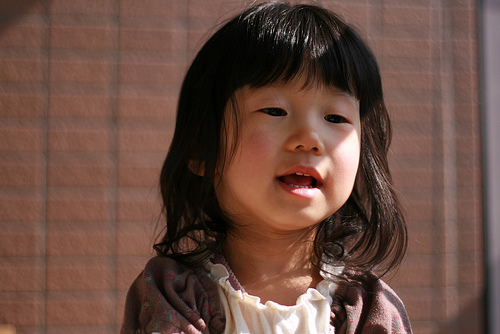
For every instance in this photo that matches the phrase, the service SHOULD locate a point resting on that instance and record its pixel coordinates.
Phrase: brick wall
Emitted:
(87, 100)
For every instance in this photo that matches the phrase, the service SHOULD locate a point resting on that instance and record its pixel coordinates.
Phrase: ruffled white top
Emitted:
(246, 314)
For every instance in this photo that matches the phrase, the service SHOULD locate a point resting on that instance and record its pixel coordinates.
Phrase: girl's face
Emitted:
(296, 159)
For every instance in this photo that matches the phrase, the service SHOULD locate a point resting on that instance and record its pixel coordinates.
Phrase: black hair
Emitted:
(268, 43)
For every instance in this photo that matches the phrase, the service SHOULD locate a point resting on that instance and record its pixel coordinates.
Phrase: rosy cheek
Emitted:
(256, 147)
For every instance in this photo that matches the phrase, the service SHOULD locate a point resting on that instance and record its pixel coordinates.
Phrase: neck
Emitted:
(280, 252)
(264, 264)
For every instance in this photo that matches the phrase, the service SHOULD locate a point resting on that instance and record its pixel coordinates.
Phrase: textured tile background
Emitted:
(87, 104)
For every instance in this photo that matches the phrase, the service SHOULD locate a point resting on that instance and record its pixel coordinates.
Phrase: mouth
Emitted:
(299, 180)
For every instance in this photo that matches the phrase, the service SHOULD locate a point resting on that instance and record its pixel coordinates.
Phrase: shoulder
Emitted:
(173, 274)
(169, 296)
(363, 302)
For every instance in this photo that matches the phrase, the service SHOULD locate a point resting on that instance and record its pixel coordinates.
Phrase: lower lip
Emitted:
(301, 192)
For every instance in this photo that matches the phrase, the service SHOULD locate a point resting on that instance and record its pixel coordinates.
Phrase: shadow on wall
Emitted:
(470, 319)
(11, 11)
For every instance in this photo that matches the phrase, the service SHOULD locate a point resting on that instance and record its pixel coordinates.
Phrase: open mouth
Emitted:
(299, 180)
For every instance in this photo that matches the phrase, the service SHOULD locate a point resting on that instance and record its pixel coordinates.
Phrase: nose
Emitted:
(305, 136)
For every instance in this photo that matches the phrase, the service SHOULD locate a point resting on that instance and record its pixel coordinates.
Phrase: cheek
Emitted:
(248, 167)
(256, 149)
(347, 156)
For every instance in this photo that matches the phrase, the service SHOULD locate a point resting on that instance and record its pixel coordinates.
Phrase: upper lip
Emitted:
(306, 170)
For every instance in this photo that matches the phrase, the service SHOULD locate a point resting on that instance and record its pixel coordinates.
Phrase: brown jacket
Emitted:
(169, 297)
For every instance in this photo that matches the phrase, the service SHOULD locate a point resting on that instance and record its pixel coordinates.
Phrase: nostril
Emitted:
(303, 147)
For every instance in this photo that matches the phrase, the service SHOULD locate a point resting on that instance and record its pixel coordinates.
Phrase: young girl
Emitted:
(278, 200)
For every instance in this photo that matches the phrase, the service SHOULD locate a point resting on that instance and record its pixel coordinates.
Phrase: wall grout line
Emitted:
(449, 167)
(115, 155)
(47, 159)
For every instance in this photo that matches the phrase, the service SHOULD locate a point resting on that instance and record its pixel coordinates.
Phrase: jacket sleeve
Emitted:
(365, 304)
(169, 297)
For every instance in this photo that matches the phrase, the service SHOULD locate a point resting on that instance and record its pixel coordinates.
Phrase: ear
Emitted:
(197, 167)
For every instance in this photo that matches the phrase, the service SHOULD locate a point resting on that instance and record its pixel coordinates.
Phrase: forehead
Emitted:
(296, 87)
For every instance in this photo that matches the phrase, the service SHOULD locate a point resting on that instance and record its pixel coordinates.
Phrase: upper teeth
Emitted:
(301, 174)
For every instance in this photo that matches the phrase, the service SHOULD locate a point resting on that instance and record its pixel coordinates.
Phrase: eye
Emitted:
(335, 119)
(276, 112)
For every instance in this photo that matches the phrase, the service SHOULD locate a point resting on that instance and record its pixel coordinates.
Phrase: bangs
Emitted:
(282, 42)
